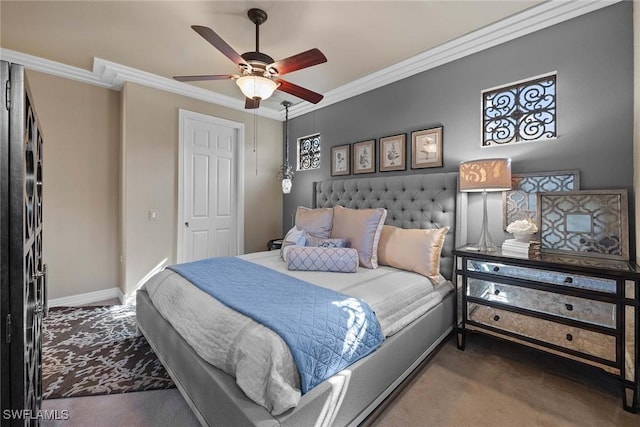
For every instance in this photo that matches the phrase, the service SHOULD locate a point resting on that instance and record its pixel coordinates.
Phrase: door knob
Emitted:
(186, 224)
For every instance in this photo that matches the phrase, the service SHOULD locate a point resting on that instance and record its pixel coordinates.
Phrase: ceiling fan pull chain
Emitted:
(255, 137)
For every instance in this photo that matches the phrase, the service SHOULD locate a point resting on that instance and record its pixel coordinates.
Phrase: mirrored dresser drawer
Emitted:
(570, 337)
(544, 276)
(583, 309)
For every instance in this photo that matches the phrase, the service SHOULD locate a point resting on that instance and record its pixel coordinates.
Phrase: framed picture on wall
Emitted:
(392, 153)
(340, 160)
(364, 157)
(426, 148)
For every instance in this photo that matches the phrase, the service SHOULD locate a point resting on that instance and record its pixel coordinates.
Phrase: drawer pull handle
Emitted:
(568, 280)
(496, 268)
(569, 337)
(497, 292)
(496, 317)
(569, 307)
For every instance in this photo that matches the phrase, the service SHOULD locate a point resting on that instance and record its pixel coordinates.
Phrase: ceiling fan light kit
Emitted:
(256, 86)
(259, 73)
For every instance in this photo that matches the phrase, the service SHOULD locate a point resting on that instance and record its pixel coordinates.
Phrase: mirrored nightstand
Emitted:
(583, 309)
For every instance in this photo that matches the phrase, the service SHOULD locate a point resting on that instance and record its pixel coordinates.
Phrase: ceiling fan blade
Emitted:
(205, 77)
(299, 91)
(298, 62)
(251, 104)
(209, 35)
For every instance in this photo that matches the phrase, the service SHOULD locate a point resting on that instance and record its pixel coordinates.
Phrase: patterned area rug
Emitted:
(94, 350)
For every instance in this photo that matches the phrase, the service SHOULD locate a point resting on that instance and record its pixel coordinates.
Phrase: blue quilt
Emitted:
(325, 330)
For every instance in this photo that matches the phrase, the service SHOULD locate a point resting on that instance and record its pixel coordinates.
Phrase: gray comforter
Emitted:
(256, 356)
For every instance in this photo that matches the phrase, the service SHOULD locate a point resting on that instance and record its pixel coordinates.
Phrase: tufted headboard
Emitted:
(411, 201)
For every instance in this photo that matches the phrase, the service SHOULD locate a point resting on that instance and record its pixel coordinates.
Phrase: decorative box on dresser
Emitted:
(584, 309)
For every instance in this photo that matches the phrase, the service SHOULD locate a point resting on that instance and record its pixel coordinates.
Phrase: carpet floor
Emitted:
(492, 383)
(95, 350)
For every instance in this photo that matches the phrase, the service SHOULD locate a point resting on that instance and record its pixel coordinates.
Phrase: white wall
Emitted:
(109, 157)
(150, 144)
(80, 124)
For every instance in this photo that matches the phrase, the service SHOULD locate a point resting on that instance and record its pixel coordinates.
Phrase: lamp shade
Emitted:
(256, 86)
(485, 175)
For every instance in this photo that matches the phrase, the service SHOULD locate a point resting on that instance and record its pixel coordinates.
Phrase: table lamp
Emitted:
(482, 176)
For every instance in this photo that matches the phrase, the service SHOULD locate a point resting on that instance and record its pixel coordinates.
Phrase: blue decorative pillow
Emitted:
(323, 242)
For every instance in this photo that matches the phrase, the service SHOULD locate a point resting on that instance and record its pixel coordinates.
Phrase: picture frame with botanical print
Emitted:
(392, 153)
(364, 156)
(426, 148)
(340, 163)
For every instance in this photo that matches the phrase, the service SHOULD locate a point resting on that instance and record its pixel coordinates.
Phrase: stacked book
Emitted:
(513, 247)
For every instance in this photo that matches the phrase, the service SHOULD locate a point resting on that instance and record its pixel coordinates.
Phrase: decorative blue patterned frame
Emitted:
(521, 201)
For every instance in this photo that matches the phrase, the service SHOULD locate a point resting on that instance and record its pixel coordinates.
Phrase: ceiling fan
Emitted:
(259, 73)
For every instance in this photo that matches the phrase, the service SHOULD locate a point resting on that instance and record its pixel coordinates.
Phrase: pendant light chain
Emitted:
(286, 173)
(286, 134)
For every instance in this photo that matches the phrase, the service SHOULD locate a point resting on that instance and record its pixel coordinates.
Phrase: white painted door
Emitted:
(210, 190)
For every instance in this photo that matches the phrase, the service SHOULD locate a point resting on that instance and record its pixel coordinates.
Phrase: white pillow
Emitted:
(294, 237)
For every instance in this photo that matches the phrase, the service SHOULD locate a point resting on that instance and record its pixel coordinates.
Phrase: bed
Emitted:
(350, 396)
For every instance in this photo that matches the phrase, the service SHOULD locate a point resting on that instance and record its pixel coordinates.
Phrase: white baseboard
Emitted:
(87, 298)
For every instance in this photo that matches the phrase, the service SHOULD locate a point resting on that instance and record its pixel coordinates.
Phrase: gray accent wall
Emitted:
(593, 58)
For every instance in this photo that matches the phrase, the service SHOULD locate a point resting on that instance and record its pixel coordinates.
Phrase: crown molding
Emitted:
(116, 75)
(521, 24)
(54, 68)
(112, 75)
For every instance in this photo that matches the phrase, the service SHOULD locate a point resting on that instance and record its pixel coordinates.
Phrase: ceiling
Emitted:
(358, 37)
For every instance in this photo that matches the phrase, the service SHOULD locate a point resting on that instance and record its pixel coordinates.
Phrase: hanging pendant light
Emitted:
(286, 186)
(286, 171)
